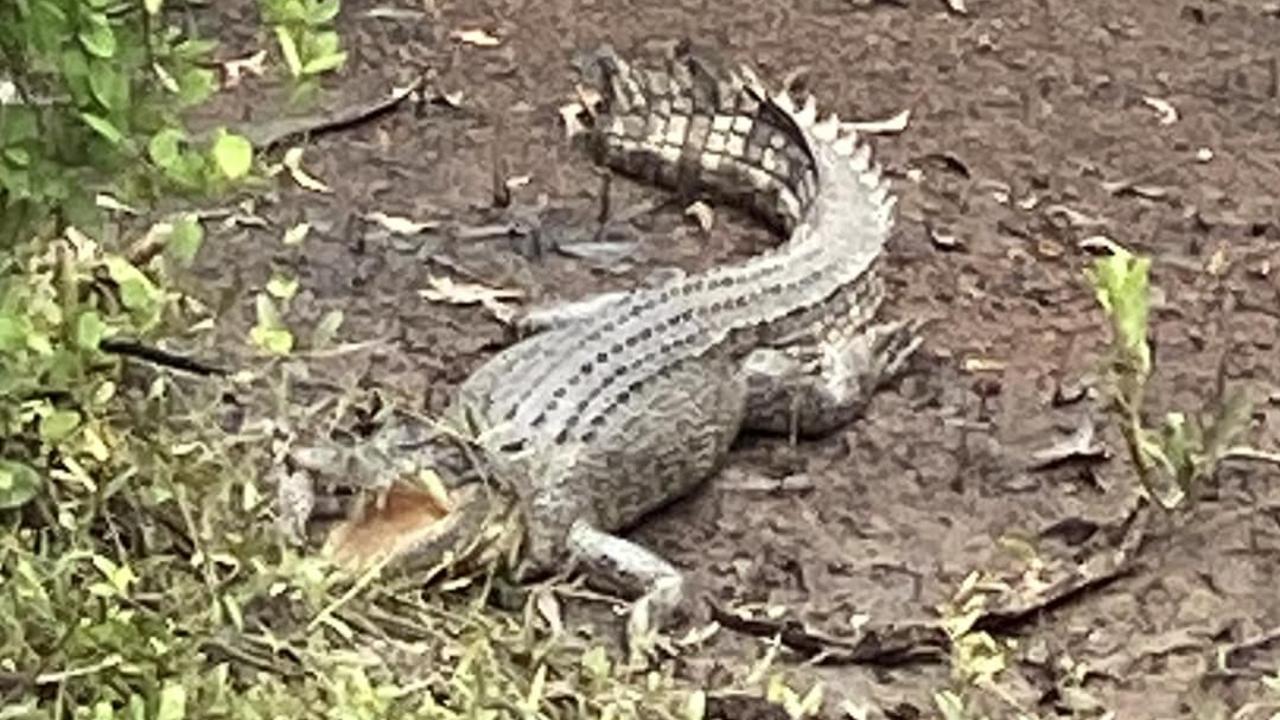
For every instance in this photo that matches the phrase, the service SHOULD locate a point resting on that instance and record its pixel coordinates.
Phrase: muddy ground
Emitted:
(1029, 132)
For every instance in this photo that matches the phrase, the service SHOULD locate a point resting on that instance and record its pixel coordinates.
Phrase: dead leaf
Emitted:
(233, 71)
(945, 241)
(1120, 188)
(1074, 218)
(549, 608)
(1098, 245)
(110, 202)
(296, 234)
(702, 214)
(1082, 445)
(699, 635)
(1217, 262)
(445, 290)
(400, 225)
(569, 116)
(887, 126)
(479, 38)
(1168, 113)
(293, 163)
(980, 364)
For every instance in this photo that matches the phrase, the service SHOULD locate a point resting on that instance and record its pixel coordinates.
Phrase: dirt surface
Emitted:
(1030, 131)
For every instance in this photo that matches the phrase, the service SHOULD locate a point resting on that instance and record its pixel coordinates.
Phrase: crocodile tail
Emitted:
(694, 128)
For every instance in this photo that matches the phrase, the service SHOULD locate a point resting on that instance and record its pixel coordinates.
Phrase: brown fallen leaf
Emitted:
(233, 71)
(445, 290)
(980, 364)
(702, 214)
(887, 126)
(477, 37)
(293, 163)
(400, 225)
(1168, 113)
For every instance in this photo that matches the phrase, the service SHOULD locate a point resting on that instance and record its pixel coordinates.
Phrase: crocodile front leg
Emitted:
(628, 569)
(814, 389)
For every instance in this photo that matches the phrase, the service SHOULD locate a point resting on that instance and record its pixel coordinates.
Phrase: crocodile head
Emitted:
(418, 505)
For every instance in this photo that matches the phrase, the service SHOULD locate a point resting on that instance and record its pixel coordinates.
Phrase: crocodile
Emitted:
(614, 406)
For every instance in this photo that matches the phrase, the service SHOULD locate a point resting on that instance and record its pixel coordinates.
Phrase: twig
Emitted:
(268, 134)
(886, 645)
(1254, 643)
(1252, 455)
(163, 358)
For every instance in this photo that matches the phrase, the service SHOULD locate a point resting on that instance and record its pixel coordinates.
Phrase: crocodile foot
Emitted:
(815, 388)
(615, 564)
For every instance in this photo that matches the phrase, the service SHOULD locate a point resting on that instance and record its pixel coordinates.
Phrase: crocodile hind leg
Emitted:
(812, 389)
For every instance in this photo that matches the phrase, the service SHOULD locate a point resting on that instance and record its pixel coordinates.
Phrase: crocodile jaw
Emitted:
(411, 528)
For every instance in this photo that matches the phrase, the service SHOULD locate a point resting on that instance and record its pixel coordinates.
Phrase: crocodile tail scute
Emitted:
(691, 127)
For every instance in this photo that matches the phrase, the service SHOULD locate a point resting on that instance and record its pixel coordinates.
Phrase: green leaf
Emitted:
(89, 330)
(270, 333)
(17, 124)
(13, 333)
(289, 48)
(233, 155)
(165, 148)
(110, 86)
(103, 127)
(324, 63)
(327, 328)
(323, 11)
(58, 425)
(282, 287)
(17, 156)
(196, 85)
(276, 341)
(98, 38)
(173, 702)
(137, 292)
(19, 483)
(187, 237)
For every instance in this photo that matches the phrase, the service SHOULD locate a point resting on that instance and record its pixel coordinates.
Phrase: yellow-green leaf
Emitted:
(137, 292)
(282, 286)
(324, 63)
(58, 424)
(289, 48)
(186, 238)
(98, 38)
(89, 330)
(233, 154)
(19, 483)
(173, 702)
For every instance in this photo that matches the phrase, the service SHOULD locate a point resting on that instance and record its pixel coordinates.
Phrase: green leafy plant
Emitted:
(977, 657)
(304, 33)
(99, 90)
(1173, 459)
